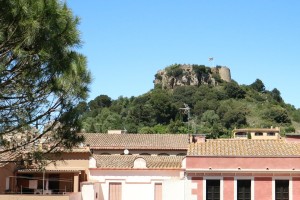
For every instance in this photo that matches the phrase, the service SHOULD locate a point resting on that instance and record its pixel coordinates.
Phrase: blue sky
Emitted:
(128, 41)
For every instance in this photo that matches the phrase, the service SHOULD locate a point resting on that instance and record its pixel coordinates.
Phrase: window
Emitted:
(243, 189)
(281, 189)
(258, 134)
(115, 191)
(271, 134)
(241, 134)
(212, 189)
(163, 154)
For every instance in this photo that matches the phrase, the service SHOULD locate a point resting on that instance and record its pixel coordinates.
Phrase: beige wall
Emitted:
(264, 136)
(264, 131)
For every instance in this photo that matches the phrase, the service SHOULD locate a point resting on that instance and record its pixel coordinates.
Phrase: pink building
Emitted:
(233, 169)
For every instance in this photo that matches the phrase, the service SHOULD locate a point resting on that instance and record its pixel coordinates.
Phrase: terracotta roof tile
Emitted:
(47, 170)
(127, 161)
(234, 147)
(136, 141)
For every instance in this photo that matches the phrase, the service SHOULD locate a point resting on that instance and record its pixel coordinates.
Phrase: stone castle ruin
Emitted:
(194, 75)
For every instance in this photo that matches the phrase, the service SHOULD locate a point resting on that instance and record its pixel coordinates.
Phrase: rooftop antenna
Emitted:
(186, 110)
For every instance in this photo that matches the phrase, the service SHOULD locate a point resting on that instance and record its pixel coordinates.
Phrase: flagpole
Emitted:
(211, 59)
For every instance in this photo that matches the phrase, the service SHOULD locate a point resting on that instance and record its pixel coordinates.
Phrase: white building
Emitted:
(136, 166)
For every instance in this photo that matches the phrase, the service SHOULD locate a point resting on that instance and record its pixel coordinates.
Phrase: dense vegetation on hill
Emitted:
(214, 110)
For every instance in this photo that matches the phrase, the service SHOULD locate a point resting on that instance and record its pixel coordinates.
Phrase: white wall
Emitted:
(138, 192)
(91, 191)
(136, 184)
(87, 191)
(173, 189)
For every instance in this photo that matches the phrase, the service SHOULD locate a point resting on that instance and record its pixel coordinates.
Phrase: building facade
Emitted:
(257, 133)
(121, 166)
(59, 180)
(232, 169)
(136, 166)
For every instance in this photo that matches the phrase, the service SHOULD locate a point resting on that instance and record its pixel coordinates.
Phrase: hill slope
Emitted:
(214, 109)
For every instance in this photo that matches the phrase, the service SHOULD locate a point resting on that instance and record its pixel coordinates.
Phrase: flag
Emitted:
(210, 59)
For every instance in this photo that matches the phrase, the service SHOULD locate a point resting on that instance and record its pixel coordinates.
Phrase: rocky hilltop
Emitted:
(181, 75)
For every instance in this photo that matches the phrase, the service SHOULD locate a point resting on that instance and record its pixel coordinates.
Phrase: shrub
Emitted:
(233, 90)
(174, 70)
(158, 77)
(277, 114)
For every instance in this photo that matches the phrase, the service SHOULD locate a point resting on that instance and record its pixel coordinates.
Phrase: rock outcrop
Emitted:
(195, 75)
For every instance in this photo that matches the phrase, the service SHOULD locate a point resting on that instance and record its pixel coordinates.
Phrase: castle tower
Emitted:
(224, 73)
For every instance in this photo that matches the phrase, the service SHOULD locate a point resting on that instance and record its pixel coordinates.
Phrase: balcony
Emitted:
(65, 196)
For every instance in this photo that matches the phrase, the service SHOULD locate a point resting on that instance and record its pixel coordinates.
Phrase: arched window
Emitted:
(145, 154)
(163, 154)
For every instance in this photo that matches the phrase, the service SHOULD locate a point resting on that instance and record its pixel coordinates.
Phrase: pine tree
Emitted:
(42, 76)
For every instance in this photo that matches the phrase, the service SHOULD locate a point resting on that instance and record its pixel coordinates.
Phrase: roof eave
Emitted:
(251, 156)
(242, 170)
(139, 169)
(136, 148)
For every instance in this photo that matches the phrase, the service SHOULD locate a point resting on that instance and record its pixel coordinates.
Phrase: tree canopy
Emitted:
(214, 110)
(42, 76)
(258, 85)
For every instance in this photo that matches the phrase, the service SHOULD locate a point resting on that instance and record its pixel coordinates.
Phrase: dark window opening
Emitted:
(212, 189)
(241, 134)
(145, 154)
(244, 189)
(163, 154)
(271, 134)
(281, 189)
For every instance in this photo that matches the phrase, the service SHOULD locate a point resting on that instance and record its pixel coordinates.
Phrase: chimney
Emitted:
(197, 138)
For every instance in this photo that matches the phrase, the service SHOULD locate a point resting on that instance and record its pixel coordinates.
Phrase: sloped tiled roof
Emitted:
(47, 170)
(127, 161)
(136, 141)
(234, 147)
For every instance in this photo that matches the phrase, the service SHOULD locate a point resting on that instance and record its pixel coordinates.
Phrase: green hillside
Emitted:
(213, 109)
